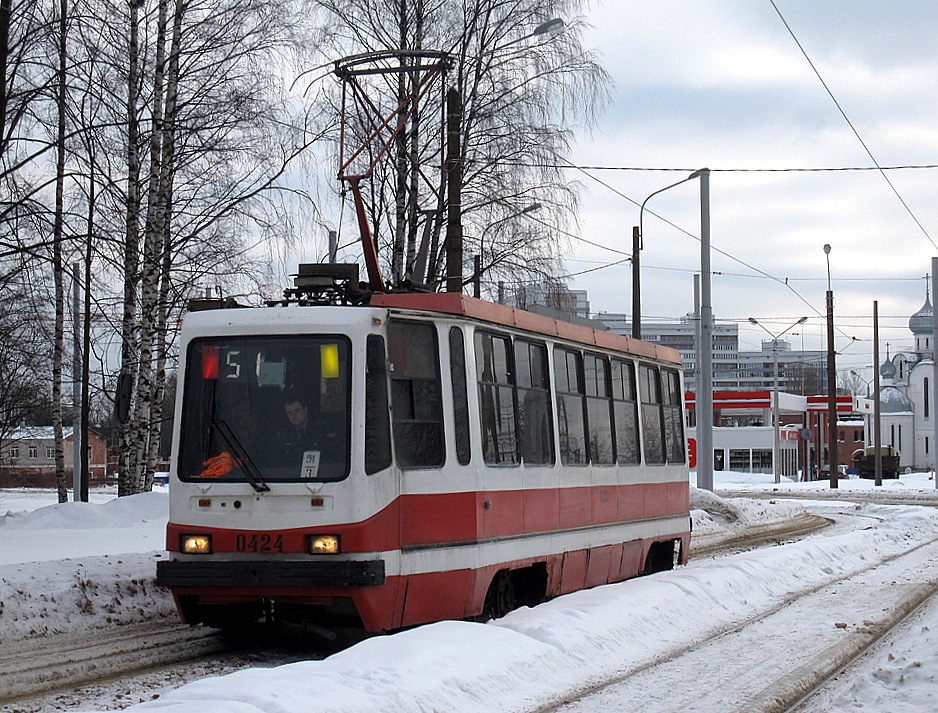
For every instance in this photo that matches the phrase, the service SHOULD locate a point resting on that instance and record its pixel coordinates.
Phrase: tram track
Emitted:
(64, 662)
(45, 664)
(830, 625)
(769, 534)
(878, 497)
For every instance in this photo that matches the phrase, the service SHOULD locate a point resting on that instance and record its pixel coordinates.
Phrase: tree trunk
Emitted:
(84, 418)
(131, 244)
(150, 270)
(58, 273)
(165, 198)
(5, 6)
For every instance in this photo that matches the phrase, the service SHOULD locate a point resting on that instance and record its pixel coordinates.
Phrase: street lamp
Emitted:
(550, 27)
(855, 373)
(478, 267)
(637, 245)
(776, 447)
(704, 348)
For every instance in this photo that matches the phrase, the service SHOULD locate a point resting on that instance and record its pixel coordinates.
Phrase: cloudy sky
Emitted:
(724, 84)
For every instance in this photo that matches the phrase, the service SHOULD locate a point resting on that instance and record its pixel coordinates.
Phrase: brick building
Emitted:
(27, 458)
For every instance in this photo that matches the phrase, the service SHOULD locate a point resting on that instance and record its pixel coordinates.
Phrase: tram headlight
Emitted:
(196, 544)
(324, 545)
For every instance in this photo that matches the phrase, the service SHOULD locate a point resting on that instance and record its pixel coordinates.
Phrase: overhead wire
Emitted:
(852, 127)
(786, 281)
(755, 269)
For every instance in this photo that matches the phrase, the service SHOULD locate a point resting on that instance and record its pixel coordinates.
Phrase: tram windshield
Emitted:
(265, 409)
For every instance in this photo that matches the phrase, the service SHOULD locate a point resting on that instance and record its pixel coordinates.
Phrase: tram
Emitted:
(413, 458)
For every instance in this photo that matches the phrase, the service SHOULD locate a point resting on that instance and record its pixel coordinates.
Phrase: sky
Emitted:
(723, 84)
(51, 582)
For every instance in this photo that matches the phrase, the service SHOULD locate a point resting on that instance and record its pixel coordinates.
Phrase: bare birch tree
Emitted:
(219, 139)
(58, 237)
(521, 86)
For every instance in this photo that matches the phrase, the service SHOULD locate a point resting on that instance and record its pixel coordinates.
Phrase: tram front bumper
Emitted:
(270, 573)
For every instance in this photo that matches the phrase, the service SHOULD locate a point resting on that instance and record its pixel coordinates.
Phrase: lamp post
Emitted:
(549, 27)
(831, 381)
(637, 244)
(855, 373)
(776, 446)
(704, 391)
(479, 267)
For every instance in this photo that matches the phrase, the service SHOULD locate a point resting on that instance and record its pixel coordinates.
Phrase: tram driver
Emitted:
(304, 434)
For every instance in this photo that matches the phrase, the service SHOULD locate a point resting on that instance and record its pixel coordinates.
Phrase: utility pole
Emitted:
(934, 379)
(877, 434)
(705, 358)
(454, 191)
(831, 382)
(636, 283)
(77, 439)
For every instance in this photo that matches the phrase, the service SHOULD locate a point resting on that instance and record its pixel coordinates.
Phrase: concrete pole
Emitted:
(636, 283)
(776, 450)
(877, 434)
(704, 400)
(934, 380)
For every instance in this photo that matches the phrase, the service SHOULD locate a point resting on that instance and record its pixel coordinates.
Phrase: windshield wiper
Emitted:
(250, 470)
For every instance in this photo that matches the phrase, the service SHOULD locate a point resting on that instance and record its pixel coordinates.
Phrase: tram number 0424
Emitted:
(259, 542)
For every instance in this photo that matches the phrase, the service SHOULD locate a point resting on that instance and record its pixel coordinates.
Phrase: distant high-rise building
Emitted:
(554, 295)
(681, 336)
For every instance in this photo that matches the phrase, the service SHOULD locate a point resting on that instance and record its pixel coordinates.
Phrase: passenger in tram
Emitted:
(243, 425)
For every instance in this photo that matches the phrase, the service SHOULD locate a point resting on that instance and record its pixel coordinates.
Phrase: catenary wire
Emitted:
(852, 127)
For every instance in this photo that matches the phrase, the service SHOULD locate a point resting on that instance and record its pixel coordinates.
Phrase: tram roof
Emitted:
(457, 304)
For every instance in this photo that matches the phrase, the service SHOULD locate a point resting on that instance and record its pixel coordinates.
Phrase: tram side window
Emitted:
(534, 416)
(652, 416)
(416, 404)
(571, 415)
(625, 407)
(377, 426)
(673, 418)
(495, 375)
(598, 409)
(457, 368)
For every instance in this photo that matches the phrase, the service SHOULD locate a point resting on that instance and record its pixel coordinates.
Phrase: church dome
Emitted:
(888, 370)
(891, 400)
(921, 321)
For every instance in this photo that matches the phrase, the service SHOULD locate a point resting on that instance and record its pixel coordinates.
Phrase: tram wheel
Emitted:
(501, 597)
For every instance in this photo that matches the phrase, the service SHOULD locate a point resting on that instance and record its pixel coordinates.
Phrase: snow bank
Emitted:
(71, 530)
(72, 566)
(533, 657)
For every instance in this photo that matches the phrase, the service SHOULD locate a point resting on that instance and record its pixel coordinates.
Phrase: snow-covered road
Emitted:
(535, 659)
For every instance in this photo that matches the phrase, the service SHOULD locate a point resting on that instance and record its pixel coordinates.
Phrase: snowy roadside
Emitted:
(73, 567)
(528, 659)
(534, 658)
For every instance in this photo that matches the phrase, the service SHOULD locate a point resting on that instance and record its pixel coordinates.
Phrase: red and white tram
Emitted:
(417, 458)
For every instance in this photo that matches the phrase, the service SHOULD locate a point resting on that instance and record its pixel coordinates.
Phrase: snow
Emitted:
(77, 566)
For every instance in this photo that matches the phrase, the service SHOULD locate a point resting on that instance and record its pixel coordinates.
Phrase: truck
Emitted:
(864, 460)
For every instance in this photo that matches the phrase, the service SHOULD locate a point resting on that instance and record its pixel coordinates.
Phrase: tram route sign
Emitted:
(310, 467)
